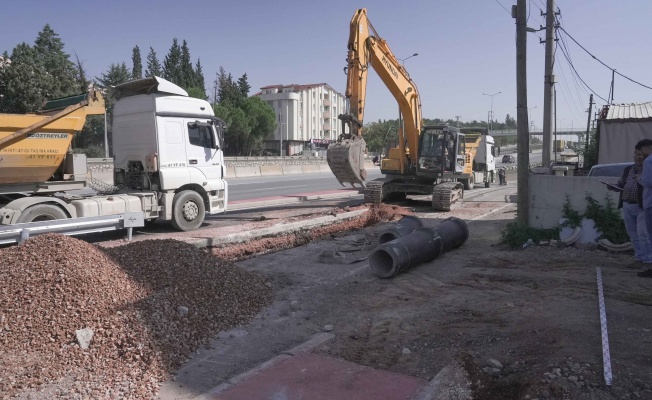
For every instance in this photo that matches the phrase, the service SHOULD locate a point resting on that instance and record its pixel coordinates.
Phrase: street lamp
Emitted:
(491, 113)
(402, 60)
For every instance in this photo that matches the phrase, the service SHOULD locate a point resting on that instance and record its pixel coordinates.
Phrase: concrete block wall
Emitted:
(548, 194)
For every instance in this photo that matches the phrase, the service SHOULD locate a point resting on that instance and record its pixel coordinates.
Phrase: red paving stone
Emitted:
(314, 377)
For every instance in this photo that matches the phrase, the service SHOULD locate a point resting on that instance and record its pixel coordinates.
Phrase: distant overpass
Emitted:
(512, 132)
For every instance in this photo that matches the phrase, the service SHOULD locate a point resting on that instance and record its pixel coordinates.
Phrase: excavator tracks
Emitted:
(445, 194)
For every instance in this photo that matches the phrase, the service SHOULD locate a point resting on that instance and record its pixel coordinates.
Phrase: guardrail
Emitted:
(18, 233)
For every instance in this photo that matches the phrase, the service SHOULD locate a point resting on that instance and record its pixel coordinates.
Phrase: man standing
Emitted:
(631, 201)
(645, 180)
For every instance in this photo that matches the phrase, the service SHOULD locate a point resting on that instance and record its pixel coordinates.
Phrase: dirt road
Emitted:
(523, 324)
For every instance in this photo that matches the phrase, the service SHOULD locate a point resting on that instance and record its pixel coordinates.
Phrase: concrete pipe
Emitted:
(405, 226)
(423, 245)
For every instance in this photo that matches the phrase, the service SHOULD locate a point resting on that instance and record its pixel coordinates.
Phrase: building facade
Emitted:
(306, 117)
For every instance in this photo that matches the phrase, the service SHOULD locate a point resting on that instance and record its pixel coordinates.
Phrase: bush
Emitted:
(515, 236)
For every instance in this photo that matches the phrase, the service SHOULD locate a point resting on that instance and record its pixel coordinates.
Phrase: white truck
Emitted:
(168, 162)
(483, 147)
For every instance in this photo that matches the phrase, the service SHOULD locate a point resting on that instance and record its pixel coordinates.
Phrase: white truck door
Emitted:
(202, 156)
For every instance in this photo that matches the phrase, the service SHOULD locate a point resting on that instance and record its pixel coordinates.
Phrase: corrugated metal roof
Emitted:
(630, 111)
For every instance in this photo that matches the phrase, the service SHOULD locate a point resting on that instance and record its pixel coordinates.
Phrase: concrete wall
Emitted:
(548, 195)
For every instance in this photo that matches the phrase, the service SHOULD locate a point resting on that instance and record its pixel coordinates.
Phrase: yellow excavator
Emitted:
(429, 160)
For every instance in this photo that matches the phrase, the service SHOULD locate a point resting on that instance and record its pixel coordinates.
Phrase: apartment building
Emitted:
(306, 117)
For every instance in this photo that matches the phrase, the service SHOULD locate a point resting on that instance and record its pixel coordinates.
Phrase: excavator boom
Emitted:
(366, 48)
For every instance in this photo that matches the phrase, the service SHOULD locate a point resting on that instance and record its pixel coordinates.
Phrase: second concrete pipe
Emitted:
(422, 245)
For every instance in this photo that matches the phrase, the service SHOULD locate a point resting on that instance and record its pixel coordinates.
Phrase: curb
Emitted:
(306, 347)
(290, 200)
(274, 230)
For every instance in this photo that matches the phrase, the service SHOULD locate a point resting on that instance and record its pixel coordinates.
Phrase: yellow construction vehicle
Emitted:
(429, 160)
(33, 146)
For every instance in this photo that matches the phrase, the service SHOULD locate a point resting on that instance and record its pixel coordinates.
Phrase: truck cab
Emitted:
(167, 142)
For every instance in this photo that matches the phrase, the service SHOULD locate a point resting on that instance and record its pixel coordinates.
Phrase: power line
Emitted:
(578, 75)
(600, 61)
(577, 85)
(501, 4)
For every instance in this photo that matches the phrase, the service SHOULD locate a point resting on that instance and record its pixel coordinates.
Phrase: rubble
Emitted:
(128, 296)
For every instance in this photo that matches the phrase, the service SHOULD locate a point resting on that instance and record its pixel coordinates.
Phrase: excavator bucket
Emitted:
(346, 160)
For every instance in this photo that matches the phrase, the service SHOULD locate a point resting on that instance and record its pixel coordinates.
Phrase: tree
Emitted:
(186, 72)
(172, 64)
(137, 70)
(227, 90)
(52, 58)
(248, 125)
(510, 123)
(243, 86)
(81, 74)
(117, 74)
(25, 83)
(153, 66)
(200, 83)
(380, 135)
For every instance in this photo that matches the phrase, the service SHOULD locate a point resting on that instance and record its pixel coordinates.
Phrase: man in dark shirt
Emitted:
(631, 201)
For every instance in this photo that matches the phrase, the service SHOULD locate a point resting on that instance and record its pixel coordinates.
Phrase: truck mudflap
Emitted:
(346, 161)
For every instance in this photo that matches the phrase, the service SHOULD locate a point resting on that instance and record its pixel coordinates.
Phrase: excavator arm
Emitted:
(366, 48)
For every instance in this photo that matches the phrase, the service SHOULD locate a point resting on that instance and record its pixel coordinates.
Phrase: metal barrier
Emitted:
(18, 233)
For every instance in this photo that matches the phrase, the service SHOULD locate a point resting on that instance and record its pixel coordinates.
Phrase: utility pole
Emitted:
(588, 128)
(549, 83)
(522, 132)
(457, 117)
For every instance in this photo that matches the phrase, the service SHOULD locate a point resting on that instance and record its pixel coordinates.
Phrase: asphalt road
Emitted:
(246, 189)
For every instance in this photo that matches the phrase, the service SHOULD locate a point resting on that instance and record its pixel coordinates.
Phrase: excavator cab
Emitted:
(346, 157)
(441, 150)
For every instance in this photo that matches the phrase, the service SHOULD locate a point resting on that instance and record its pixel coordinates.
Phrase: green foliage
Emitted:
(248, 123)
(228, 92)
(573, 217)
(243, 86)
(515, 236)
(378, 135)
(37, 73)
(607, 220)
(172, 63)
(153, 65)
(56, 63)
(137, 70)
(590, 154)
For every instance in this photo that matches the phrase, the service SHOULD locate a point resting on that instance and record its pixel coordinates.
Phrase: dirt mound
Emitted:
(375, 214)
(149, 305)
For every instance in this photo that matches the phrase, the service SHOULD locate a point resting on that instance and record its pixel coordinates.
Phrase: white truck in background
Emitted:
(483, 147)
(168, 161)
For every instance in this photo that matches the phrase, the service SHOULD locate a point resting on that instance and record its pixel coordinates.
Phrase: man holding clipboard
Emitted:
(631, 201)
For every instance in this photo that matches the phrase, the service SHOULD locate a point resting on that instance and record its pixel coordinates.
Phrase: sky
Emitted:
(466, 47)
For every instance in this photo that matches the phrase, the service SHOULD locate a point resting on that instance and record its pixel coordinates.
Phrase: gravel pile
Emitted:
(148, 304)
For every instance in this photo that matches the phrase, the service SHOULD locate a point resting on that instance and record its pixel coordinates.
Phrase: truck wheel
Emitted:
(41, 212)
(468, 183)
(188, 210)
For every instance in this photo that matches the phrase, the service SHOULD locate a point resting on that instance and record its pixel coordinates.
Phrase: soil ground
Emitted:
(523, 323)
